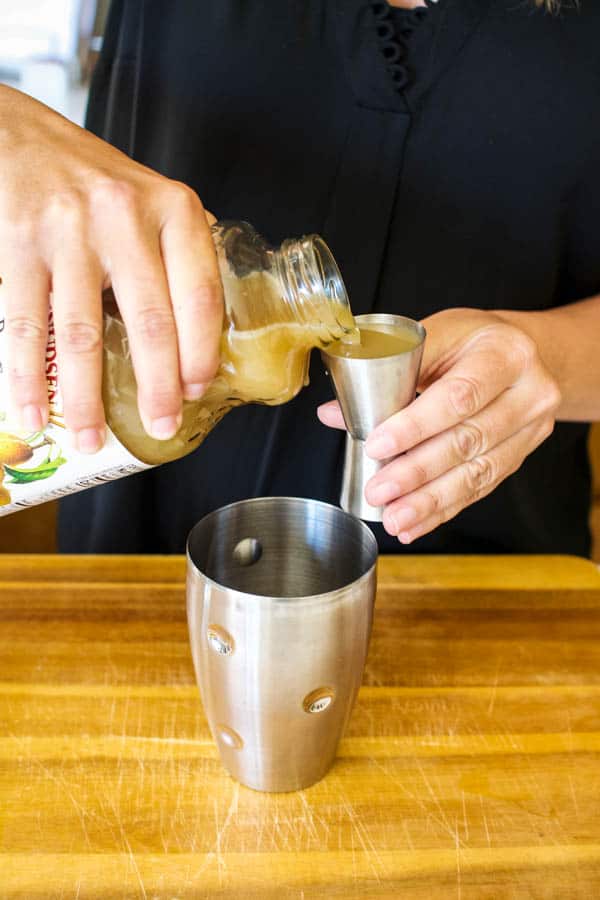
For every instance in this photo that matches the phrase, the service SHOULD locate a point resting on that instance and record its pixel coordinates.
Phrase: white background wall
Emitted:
(39, 42)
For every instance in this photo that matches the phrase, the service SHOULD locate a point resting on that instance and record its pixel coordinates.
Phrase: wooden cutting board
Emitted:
(470, 769)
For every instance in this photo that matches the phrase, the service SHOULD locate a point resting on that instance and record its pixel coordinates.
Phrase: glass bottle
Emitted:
(279, 304)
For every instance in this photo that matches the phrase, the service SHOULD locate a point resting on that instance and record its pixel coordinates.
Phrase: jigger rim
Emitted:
(381, 319)
(324, 596)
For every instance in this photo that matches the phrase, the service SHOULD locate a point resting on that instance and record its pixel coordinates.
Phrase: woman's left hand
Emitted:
(485, 402)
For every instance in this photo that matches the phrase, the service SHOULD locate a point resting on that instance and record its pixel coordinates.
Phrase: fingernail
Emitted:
(32, 417)
(89, 440)
(194, 391)
(380, 445)
(165, 428)
(404, 537)
(402, 518)
(382, 493)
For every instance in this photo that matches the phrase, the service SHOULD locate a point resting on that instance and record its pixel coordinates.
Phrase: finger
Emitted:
(195, 287)
(25, 291)
(140, 286)
(330, 414)
(423, 510)
(512, 410)
(473, 382)
(77, 310)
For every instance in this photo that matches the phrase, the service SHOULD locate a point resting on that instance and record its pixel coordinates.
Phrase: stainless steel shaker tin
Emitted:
(280, 605)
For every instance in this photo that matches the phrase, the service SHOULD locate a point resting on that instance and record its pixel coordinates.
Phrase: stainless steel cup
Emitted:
(280, 595)
(369, 391)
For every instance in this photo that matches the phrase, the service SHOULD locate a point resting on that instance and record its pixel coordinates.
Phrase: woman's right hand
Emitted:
(77, 215)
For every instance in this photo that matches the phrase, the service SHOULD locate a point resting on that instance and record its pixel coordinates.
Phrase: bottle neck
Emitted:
(313, 288)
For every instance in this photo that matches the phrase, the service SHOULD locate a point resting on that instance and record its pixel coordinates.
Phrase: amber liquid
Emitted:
(268, 365)
(376, 343)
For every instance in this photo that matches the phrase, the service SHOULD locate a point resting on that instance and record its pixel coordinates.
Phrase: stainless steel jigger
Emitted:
(369, 391)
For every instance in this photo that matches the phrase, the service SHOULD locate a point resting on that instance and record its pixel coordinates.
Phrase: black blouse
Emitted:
(473, 181)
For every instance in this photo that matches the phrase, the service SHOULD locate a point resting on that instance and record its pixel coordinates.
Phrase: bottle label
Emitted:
(41, 466)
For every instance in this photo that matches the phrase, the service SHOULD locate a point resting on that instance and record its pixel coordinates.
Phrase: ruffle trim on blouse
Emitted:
(393, 47)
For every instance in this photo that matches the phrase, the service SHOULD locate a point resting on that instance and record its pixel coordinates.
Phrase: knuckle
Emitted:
(79, 337)
(154, 325)
(18, 229)
(66, 209)
(523, 348)
(547, 427)
(160, 399)
(82, 409)
(418, 476)
(199, 370)
(481, 472)
(463, 395)
(548, 397)
(553, 395)
(185, 197)
(206, 298)
(433, 502)
(469, 441)
(25, 328)
(412, 427)
(26, 383)
(115, 193)
(446, 514)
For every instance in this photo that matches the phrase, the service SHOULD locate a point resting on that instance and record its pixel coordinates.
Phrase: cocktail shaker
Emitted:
(280, 595)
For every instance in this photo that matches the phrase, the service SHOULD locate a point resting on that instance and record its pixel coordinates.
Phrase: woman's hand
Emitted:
(485, 402)
(75, 216)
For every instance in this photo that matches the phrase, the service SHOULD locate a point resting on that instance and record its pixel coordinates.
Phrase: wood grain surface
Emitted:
(470, 769)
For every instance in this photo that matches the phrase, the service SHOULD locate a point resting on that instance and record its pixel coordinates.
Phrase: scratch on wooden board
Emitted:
(569, 730)
(458, 874)
(133, 862)
(354, 863)
(125, 840)
(308, 819)
(221, 864)
(63, 786)
(222, 830)
(216, 851)
(365, 841)
(442, 822)
(434, 797)
(112, 713)
(409, 839)
(161, 827)
(572, 788)
(485, 823)
(494, 689)
(465, 820)
(192, 742)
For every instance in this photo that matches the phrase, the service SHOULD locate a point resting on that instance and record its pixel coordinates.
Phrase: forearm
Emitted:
(568, 340)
